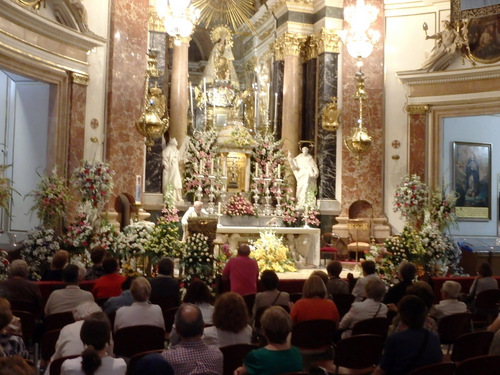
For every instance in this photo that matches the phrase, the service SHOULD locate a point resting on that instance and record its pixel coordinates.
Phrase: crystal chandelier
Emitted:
(180, 17)
(359, 40)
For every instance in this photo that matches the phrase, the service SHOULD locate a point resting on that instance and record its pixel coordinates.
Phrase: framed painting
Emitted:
(484, 46)
(472, 180)
(468, 9)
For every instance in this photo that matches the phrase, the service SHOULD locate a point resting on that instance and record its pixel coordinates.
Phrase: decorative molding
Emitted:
(417, 109)
(292, 44)
(80, 78)
(183, 39)
(35, 4)
(311, 48)
(155, 22)
(328, 41)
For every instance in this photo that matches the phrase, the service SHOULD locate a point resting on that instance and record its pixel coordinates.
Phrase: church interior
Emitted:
(396, 94)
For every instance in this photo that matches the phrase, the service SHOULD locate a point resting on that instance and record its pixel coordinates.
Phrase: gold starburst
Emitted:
(229, 12)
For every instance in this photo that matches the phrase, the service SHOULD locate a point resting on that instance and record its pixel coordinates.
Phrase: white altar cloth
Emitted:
(303, 240)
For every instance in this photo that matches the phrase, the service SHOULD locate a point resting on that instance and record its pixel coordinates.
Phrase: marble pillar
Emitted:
(416, 139)
(179, 91)
(76, 133)
(309, 106)
(278, 70)
(364, 180)
(127, 67)
(292, 92)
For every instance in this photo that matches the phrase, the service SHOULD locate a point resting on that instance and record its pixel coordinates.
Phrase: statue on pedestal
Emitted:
(171, 175)
(306, 173)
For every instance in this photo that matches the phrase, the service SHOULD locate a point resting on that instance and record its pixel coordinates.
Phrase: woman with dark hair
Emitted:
(483, 281)
(278, 356)
(314, 303)
(198, 294)
(271, 296)
(95, 360)
(230, 321)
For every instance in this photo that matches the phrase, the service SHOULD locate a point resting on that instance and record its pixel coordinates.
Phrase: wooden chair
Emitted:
(234, 356)
(452, 326)
(135, 358)
(48, 344)
(483, 365)
(471, 345)
(249, 300)
(59, 320)
(31, 307)
(360, 352)
(169, 317)
(343, 302)
(28, 324)
(55, 365)
(259, 312)
(372, 326)
(486, 307)
(359, 236)
(441, 368)
(136, 339)
(329, 242)
(313, 336)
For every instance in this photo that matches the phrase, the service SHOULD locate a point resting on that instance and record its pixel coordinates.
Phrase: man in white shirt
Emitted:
(449, 303)
(196, 210)
(369, 273)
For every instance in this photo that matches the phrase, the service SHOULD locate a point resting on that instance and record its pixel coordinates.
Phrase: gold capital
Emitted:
(311, 48)
(80, 78)
(292, 44)
(328, 41)
(417, 109)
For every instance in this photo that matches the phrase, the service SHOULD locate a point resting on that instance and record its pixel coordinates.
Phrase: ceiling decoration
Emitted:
(233, 13)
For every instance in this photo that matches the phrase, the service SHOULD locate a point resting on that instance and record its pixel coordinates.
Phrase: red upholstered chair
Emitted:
(329, 248)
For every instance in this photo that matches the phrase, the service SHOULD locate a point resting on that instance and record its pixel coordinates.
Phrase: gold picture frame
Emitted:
(483, 45)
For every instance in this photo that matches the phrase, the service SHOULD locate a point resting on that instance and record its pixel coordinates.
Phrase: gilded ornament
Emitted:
(94, 123)
(227, 12)
(80, 78)
(35, 4)
(328, 41)
(311, 48)
(292, 44)
(330, 117)
(417, 109)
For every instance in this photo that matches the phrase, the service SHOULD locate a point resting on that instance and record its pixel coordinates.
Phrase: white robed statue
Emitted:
(306, 173)
(171, 177)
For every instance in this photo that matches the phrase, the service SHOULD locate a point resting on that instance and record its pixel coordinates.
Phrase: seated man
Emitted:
(449, 304)
(368, 274)
(335, 285)
(124, 299)
(96, 256)
(141, 312)
(67, 299)
(196, 211)
(165, 286)
(59, 261)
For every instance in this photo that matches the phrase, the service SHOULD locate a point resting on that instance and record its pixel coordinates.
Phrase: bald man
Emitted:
(242, 272)
(192, 356)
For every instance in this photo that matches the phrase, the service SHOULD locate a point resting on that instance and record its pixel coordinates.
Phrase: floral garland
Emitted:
(94, 180)
(51, 197)
(198, 261)
(79, 235)
(239, 205)
(410, 197)
(202, 152)
(165, 239)
(271, 254)
(39, 247)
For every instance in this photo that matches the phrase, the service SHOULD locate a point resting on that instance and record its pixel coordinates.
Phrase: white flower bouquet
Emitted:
(94, 180)
(198, 259)
(410, 197)
(39, 247)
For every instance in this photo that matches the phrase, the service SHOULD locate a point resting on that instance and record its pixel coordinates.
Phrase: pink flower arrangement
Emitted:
(94, 179)
(238, 205)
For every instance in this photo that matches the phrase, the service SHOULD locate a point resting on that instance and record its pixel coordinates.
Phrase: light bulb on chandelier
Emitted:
(180, 18)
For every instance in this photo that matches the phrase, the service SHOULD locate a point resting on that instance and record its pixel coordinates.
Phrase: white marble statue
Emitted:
(306, 173)
(449, 42)
(171, 175)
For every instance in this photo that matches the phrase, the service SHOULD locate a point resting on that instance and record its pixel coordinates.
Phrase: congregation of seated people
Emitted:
(204, 327)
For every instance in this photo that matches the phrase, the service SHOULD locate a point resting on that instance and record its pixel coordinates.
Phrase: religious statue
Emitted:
(448, 43)
(306, 173)
(171, 177)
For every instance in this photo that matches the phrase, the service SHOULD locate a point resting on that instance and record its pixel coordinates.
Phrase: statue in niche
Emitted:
(220, 65)
(449, 42)
(171, 176)
(306, 173)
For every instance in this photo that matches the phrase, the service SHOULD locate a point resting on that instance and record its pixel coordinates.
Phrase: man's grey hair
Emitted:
(20, 268)
(451, 288)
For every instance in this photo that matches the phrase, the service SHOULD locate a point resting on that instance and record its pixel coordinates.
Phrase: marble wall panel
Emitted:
(278, 75)
(154, 168)
(78, 99)
(326, 141)
(309, 95)
(364, 180)
(417, 145)
(124, 145)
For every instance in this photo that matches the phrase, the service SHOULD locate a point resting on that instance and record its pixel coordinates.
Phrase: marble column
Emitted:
(364, 180)
(127, 67)
(278, 69)
(179, 91)
(292, 92)
(76, 133)
(309, 84)
(416, 139)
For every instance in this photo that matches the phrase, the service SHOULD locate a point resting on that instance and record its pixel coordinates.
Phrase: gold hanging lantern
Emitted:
(330, 117)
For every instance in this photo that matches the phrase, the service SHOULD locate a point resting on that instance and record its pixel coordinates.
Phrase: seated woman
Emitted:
(483, 281)
(412, 348)
(314, 304)
(230, 321)
(198, 294)
(9, 344)
(271, 296)
(278, 356)
(59, 261)
(371, 307)
(96, 335)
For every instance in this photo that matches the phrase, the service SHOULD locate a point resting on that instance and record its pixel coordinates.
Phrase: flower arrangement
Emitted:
(441, 209)
(271, 254)
(198, 261)
(51, 197)
(6, 189)
(104, 235)
(4, 265)
(240, 136)
(239, 205)
(94, 180)
(410, 197)
(440, 252)
(386, 268)
(290, 214)
(132, 241)
(165, 239)
(311, 213)
(79, 235)
(39, 247)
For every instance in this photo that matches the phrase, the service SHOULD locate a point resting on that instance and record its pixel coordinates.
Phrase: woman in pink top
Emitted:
(314, 304)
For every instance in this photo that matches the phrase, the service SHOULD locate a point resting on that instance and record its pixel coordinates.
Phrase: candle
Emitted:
(267, 169)
(200, 170)
(192, 102)
(256, 170)
(211, 167)
(224, 167)
(279, 170)
(218, 208)
(204, 85)
(138, 189)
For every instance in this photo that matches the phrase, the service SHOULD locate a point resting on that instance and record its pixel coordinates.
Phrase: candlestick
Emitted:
(192, 102)
(211, 167)
(218, 208)
(267, 169)
(138, 189)
(279, 170)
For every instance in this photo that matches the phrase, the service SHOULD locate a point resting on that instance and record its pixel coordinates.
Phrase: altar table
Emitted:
(305, 241)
